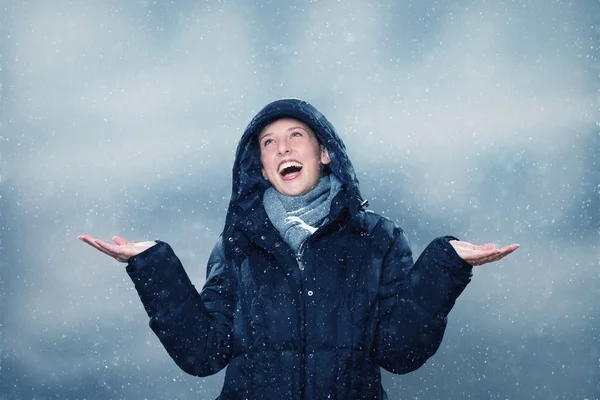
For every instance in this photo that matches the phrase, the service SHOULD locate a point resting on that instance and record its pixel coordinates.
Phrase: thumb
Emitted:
(120, 241)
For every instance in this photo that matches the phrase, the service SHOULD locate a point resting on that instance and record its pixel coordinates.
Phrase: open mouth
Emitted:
(290, 169)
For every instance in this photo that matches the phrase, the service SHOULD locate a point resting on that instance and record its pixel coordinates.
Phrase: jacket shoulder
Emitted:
(375, 221)
(385, 234)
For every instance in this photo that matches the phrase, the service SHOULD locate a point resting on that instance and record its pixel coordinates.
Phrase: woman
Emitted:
(307, 293)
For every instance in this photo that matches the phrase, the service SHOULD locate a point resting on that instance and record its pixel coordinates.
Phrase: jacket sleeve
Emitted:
(195, 328)
(414, 301)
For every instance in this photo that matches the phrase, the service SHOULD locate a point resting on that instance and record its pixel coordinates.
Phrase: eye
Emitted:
(267, 142)
(296, 134)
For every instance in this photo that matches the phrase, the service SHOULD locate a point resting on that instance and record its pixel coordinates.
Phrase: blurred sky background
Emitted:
(473, 118)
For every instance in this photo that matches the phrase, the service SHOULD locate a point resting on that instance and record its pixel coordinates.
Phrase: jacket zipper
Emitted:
(302, 327)
(300, 261)
(298, 255)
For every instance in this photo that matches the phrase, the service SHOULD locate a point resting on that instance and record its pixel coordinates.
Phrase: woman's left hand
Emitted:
(479, 255)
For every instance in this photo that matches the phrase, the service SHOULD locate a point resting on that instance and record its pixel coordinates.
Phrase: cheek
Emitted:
(265, 164)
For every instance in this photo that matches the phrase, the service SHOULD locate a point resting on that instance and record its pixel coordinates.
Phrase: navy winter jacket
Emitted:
(321, 333)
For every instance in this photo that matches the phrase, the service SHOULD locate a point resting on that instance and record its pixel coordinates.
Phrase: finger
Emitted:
(487, 259)
(89, 240)
(492, 259)
(504, 251)
(498, 255)
(85, 238)
(509, 249)
(94, 243)
(121, 241)
(112, 250)
(492, 250)
(122, 252)
(480, 257)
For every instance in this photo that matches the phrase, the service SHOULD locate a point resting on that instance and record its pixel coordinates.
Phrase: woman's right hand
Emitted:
(121, 251)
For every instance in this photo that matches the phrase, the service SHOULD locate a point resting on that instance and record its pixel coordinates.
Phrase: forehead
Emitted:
(283, 125)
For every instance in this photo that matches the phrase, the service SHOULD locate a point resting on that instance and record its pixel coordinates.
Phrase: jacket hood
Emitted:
(248, 184)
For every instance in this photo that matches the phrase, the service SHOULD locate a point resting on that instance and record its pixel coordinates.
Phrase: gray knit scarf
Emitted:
(296, 218)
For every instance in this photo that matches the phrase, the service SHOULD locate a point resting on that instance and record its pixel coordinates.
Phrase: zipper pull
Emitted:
(299, 260)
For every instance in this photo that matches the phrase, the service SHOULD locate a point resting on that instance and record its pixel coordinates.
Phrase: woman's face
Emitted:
(291, 157)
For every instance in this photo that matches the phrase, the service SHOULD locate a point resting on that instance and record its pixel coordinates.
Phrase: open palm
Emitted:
(121, 251)
(481, 254)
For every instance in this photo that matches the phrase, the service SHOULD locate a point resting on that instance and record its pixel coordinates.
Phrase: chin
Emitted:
(293, 192)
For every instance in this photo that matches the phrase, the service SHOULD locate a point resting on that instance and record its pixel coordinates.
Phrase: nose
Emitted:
(283, 147)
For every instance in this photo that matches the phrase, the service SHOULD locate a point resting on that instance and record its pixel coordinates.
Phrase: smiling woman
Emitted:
(292, 158)
(307, 293)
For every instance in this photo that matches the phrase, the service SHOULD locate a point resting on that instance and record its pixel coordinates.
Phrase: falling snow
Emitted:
(476, 119)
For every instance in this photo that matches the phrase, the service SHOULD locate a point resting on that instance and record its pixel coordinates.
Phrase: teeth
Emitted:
(289, 164)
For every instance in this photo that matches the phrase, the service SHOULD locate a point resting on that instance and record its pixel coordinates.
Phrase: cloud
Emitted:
(106, 100)
(475, 92)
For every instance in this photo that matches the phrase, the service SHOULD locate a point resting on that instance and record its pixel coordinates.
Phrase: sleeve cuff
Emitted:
(138, 261)
(159, 278)
(453, 257)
